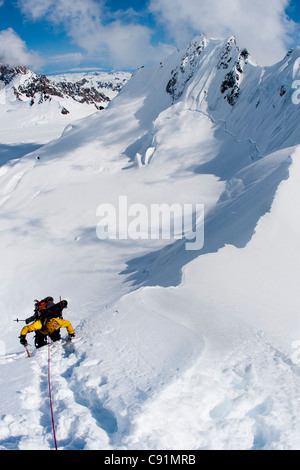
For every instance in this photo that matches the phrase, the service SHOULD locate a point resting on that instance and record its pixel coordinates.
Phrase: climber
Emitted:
(47, 321)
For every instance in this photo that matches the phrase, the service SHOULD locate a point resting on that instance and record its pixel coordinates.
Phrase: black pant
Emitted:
(41, 340)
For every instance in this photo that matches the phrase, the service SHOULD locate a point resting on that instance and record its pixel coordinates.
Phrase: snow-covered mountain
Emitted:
(175, 349)
(39, 107)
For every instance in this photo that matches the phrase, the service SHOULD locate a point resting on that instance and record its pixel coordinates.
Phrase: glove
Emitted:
(71, 337)
(23, 340)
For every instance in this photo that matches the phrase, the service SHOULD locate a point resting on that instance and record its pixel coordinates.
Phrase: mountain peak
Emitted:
(8, 73)
(219, 55)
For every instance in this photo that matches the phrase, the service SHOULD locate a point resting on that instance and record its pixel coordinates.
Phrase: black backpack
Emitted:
(46, 308)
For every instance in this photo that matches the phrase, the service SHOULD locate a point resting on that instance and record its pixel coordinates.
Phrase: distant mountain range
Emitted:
(96, 88)
(37, 108)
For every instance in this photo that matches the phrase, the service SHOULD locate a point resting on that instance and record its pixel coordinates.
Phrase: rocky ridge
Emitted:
(38, 88)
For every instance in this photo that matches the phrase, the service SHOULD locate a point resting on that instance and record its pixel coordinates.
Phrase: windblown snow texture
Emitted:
(175, 349)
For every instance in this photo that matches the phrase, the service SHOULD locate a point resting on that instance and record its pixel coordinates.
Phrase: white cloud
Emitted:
(259, 25)
(74, 58)
(120, 40)
(130, 45)
(13, 50)
(121, 44)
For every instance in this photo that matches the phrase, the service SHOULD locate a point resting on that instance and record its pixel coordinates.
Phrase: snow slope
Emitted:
(175, 349)
(38, 108)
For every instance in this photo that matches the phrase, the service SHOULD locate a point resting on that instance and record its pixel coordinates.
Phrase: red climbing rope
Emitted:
(49, 383)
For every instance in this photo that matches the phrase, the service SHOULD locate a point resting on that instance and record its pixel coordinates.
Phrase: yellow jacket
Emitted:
(50, 326)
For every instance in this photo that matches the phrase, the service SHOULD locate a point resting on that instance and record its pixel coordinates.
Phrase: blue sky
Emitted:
(63, 35)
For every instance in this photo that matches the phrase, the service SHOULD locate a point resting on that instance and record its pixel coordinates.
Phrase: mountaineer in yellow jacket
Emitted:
(47, 323)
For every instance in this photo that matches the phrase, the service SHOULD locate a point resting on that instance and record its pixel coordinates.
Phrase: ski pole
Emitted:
(17, 320)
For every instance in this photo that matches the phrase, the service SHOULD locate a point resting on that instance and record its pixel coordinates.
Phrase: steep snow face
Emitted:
(260, 99)
(217, 79)
(261, 119)
(225, 57)
(172, 345)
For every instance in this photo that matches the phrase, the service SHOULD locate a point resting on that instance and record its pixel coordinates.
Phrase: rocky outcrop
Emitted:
(38, 88)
